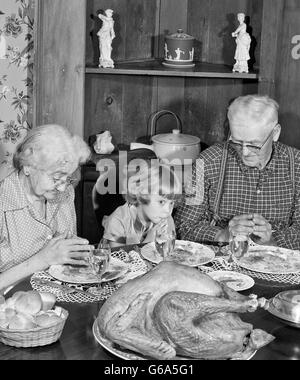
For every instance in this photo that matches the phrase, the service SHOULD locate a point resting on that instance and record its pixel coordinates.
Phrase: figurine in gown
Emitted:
(106, 35)
(243, 42)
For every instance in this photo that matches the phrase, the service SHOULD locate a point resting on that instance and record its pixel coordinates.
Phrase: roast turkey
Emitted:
(175, 310)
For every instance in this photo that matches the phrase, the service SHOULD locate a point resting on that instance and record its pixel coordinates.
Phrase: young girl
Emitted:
(150, 199)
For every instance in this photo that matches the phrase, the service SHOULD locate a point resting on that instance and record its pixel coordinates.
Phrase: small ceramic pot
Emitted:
(179, 50)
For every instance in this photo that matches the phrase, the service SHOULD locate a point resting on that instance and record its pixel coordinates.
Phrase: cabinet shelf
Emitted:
(156, 68)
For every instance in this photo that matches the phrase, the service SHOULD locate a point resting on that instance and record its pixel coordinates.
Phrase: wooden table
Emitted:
(77, 341)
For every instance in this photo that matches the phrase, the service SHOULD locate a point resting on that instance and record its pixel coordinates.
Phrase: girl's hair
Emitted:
(255, 107)
(51, 147)
(153, 178)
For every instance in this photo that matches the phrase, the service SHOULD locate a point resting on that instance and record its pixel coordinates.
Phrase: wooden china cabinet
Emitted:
(73, 91)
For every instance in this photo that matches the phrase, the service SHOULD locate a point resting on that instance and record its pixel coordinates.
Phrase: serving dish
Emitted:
(130, 355)
(286, 306)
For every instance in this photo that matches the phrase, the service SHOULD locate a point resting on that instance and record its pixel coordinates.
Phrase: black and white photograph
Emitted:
(150, 183)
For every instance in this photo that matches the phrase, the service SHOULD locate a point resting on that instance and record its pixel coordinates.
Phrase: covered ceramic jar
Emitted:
(179, 50)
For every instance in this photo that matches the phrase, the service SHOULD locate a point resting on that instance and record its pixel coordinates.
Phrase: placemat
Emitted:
(66, 292)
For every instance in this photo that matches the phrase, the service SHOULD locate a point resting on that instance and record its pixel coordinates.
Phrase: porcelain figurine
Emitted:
(106, 35)
(243, 42)
(103, 144)
(3, 46)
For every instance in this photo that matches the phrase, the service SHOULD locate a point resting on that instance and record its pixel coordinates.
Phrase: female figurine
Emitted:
(243, 42)
(106, 35)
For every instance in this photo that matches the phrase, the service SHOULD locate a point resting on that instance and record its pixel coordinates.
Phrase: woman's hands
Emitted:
(64, 250)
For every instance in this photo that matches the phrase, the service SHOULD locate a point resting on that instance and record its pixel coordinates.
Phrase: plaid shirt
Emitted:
(246, 190)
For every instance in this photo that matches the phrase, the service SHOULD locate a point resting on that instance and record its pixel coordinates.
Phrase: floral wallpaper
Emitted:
(16, 75)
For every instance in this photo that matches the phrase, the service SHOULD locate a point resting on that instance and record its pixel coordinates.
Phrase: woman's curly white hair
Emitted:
(51, 147)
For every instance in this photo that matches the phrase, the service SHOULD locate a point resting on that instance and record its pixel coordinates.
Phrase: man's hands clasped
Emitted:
(253, 225)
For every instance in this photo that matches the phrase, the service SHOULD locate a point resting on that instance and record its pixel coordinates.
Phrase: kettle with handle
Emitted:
(171, 146)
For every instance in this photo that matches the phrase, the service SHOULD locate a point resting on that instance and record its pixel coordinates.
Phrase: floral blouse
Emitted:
(23, 232)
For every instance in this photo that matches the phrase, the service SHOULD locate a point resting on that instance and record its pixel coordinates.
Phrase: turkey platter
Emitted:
(174, 310)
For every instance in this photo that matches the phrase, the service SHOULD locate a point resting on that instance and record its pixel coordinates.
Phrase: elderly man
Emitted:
(251, 182)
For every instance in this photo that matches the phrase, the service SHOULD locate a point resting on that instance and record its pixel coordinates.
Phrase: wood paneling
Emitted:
(201, 104)
(135, 27)
(272, 22)
(137, 98)
(61, 64)
(104, 105)
(123, 103)
(287, 79)
(119, 104)
(212, 22)
(206, 103)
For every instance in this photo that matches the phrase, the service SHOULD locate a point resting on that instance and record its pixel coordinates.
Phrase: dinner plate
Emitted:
(234, 280)
(185, 252)
(270, 260)
(130, 355)
(84, 275)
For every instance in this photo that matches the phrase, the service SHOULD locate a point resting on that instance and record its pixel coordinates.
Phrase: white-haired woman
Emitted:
(37, 212)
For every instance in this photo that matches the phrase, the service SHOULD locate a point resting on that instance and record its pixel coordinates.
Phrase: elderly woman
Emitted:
(37, 213)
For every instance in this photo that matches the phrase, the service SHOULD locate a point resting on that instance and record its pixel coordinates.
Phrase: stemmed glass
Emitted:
(100, 258)
(238, 246)
(165, 239)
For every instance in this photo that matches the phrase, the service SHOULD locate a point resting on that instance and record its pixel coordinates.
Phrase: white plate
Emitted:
(270, 260)
(130, 355)
(234, 280)
(192, 254)
(83, 275)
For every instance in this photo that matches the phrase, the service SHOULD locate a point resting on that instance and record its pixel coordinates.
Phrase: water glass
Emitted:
(238, 245)
(100, 258)
(165, 242)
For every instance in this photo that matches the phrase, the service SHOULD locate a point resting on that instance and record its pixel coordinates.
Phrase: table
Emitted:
(77, 341)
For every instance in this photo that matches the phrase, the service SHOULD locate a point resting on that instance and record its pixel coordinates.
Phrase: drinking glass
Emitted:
(238, 245)
(100, 258)
(165, 241)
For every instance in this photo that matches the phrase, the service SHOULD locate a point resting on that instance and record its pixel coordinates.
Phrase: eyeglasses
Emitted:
(70, 180)
(60, 181)
(252, 148)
